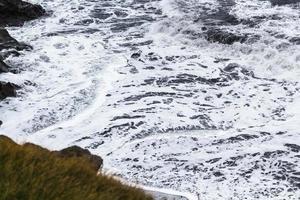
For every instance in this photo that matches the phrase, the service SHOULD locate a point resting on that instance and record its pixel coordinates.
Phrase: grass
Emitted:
(29, 172)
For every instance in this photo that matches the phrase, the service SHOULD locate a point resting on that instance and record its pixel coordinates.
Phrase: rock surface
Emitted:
(8, 42)
(16, 12)
(3, 67)
(13, 12)
(70, 152)
(76, 151)
(223, 37)
(283, 2)
(7, 90)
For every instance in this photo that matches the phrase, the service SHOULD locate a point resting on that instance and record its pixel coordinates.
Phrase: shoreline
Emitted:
(159, 193)
(168, 194)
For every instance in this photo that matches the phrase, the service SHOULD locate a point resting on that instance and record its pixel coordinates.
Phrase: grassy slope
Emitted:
(29, 172)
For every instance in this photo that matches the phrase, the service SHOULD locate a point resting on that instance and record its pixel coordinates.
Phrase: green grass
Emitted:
(29, 172)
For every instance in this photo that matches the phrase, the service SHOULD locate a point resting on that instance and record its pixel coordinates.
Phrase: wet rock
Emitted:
(214, 160)
(218, 60)
(187, 79)
(234, 71)
(149, 68)
(212, 81)
(136, 55)
(223, 37)
(85, 22)
(3, 67)
(101, 14)
(16, 12)
(283, 2)
(8, 46)
(281, 133)
(231, 67)
(293, 147)
(295, 181)
(95, 145)
(120, 27)
(120, 13)
(235, 139)
(13, 12)
(218, 174)
(8, 90)
(149, 94)
(136, 44)
(270, 154)
(127, 117)
(134, 70)
(295, 40)
(124, 127)
(8, 42)
(166, 69)
(222, 17)
(242, 137)
(75, 151)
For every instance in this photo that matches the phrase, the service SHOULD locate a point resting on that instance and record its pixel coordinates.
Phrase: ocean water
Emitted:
(153, 87)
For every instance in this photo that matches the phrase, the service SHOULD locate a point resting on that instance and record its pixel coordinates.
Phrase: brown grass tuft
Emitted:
(29, 172)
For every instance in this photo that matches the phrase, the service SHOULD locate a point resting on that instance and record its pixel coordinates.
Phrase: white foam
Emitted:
(76, 71)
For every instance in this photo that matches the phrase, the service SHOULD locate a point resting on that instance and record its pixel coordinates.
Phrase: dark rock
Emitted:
(219, 95)
(16, 12)
(234, 71)
(221, 17)
(8, 90)
(218, 174)
(11, 47)
(214, 160)
(101, 14)
(167, 69)
(281, 133)
(136, 55)
(3, 67)
(235, 139)
(242, 137)
(85, 22)
(223, 37)
(149, 94)
(130, 44)
(283, 2)
(270, 154)
(127, 117)
(295, 181)
(231, 67)
(295, 40)
(95, 145)
(13, 12)
(120, 13)
(218, 60)
(149, 68)
(293, 147)
(120, 27)
(75, 151)
(211, 81)
(189, 79)
(8, 42)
